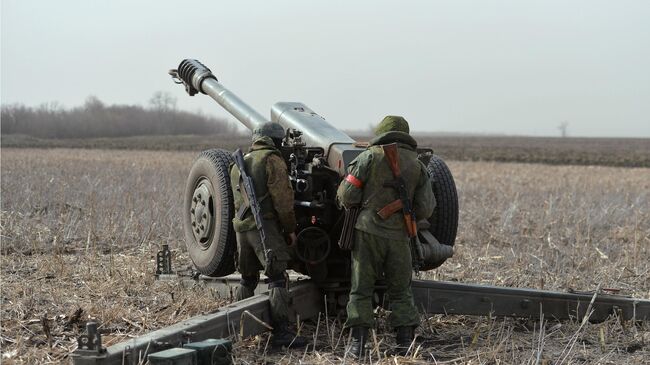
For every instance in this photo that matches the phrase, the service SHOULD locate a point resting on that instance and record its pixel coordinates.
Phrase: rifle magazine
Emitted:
(346, 241)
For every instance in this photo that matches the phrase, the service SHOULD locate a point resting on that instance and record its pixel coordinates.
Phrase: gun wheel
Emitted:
(444, 220)
(207, 214)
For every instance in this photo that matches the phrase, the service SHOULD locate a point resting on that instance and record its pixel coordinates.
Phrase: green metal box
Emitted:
(175, 356)
(212, 351)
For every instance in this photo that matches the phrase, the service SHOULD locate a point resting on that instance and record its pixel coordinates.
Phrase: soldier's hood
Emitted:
(394, 137)
(263, 143)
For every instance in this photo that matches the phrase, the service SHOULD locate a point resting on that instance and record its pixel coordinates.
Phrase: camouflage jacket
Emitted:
(268, 170)
(365, 186)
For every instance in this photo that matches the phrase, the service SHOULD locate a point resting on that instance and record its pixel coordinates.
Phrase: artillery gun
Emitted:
(317, 155)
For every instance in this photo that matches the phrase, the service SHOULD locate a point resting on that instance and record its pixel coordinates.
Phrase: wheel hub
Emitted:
(200, 214)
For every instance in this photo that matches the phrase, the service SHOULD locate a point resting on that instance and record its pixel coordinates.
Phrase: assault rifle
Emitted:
(402, 203)
(249, 194)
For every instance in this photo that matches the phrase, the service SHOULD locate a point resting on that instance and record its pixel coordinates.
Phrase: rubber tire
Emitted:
(218, 259)
(444, 220)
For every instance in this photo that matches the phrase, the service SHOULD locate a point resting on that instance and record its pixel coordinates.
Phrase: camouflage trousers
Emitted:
(251, 260)
(373, 256)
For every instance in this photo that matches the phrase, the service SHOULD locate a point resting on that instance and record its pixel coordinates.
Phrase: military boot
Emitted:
(246, 287)
(283, 337)
(404, 339)
(358, 343)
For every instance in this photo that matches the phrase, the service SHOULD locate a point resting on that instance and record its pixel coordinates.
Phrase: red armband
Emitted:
(354, 181)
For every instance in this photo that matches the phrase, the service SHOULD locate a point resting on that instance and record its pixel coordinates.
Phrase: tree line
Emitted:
(95, 119)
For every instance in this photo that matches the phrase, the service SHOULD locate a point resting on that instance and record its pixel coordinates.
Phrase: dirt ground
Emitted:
(80, 230)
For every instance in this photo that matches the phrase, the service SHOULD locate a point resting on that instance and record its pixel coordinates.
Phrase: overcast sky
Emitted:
(511, 67)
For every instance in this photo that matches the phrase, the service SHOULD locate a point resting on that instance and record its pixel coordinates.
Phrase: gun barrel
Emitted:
(197, 77)
(338, 147)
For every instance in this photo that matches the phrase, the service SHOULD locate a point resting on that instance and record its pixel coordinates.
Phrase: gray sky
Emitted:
(513, 67)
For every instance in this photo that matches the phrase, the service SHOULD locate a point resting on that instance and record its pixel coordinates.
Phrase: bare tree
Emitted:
(93, 104)
(163, 101)
(563, 128)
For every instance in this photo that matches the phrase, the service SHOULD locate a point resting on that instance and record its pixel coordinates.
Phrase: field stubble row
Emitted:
(80, 229)
(626, 152)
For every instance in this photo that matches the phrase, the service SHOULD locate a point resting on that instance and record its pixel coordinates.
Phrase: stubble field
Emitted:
(80, 230)
(624, 152)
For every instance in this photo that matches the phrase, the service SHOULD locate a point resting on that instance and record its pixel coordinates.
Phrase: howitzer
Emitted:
(317, 155)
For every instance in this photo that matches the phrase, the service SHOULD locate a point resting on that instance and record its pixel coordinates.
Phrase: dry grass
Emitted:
(626, 152)
(156, 143)
(80, 229)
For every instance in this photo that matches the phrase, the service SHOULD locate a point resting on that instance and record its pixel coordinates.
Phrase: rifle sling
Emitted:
(396, 205)
(409, 220)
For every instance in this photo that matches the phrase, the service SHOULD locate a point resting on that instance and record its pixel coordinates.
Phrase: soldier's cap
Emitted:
(392, 123)
(268, 129)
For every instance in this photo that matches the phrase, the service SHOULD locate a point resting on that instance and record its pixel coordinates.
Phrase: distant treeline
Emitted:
(96, 120)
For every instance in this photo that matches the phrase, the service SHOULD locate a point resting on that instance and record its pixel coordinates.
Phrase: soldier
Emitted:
(267, 169)
(381, 247)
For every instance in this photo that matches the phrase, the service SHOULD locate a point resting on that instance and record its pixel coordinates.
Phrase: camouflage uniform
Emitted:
(267, 169)
(382, 246)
